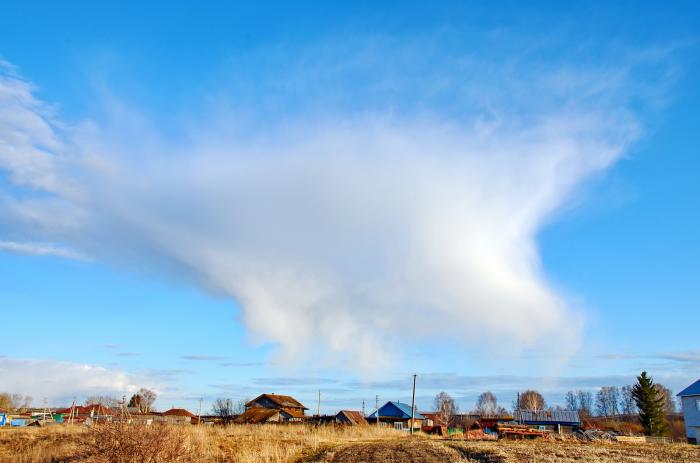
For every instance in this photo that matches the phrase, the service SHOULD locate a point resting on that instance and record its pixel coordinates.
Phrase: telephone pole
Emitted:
(413, 404)
(318, 408)
(376, 402)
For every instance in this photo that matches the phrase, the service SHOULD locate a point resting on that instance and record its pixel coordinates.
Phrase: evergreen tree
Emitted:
(650, 404)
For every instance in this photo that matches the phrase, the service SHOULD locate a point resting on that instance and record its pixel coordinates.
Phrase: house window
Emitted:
(697, 404)
(398, 425)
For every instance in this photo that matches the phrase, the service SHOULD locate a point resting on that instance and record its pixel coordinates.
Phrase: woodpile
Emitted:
(514, 431)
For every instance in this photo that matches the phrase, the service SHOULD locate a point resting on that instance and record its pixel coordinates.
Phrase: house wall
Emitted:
(691, 414)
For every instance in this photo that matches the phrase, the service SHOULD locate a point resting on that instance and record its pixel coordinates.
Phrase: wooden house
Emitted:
(690, 404)
(396, 414)
(272, 408)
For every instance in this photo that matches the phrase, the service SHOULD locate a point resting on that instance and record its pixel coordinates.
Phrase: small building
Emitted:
(690, 404)
(397, 415)
(557, 421)
(178, 416)
(350, 417)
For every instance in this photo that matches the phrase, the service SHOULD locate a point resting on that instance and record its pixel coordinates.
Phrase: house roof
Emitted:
(554, 416)
(284, 401)
(693, 389)
(396, 410)
(256, 415)
(353, 416)
(179, 412)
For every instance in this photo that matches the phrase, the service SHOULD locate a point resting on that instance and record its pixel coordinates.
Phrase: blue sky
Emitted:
(222, 201)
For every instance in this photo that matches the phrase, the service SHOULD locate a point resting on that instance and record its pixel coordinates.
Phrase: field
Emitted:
(302, 444)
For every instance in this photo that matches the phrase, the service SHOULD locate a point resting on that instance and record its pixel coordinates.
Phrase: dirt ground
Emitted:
(441, 451)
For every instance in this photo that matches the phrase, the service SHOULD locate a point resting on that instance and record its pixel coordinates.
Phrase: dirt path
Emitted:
(449, 451)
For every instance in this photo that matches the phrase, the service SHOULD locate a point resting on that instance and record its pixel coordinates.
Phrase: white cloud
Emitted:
(35, 249)
(60, 381)
(352, 235)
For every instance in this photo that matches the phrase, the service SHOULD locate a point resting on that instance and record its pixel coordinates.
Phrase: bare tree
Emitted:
(104, 400)
(606, 401)
(487, 404)
(224, 409)
(571, 401)
(669, 401)
(445, 406)
(627, 405)
(143, 400)
(530, 400)
(239, 407)
(15, 401)
(585, 402)
(581, 401)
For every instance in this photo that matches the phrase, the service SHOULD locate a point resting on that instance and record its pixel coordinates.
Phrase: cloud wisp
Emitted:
(346, 236)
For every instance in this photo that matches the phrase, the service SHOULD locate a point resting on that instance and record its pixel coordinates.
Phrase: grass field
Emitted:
(303, 444)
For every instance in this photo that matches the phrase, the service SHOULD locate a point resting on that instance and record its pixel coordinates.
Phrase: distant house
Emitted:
(558, 421)
(179, 416)
(350, 417)
(79, 413)
(397, 415)
(272, 408)
(258, 415)
(690, 403)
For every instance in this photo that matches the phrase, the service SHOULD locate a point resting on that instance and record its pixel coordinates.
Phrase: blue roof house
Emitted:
(397, 415)
(690, 403)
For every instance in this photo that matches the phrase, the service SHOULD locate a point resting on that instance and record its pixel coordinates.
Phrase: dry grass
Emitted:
(278, 444)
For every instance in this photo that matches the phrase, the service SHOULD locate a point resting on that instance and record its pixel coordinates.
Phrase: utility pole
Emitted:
(376, 402)
(363, 408)
(318, 408)
(199, 413)
(413, 404)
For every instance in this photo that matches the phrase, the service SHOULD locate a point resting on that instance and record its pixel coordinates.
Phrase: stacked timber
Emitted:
(517, 431)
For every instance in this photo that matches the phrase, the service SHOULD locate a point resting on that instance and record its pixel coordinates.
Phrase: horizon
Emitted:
(234, 200)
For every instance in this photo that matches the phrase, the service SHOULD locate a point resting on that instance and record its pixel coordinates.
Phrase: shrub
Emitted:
(127, 443)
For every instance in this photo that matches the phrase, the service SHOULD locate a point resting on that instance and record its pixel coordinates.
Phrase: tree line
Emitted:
(645, 401)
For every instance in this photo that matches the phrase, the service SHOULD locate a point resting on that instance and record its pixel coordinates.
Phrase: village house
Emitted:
(272, 408)
(398, 415)
(350, 417)
(690, 404)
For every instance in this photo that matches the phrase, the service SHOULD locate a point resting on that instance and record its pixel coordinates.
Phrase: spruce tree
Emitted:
(650, 404)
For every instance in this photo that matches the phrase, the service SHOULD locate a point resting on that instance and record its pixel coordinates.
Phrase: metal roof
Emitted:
(693, 389)
(396, 410)
(554, 416)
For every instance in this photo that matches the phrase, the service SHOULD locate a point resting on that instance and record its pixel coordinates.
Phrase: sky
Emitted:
(226, 200)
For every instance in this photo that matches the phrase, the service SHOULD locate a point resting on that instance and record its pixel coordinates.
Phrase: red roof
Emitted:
(353, 416)
(179, 412)
(257, 415)
(284, 401)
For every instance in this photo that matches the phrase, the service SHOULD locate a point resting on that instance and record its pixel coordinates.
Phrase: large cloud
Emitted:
(357, 233)
(60, 381)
